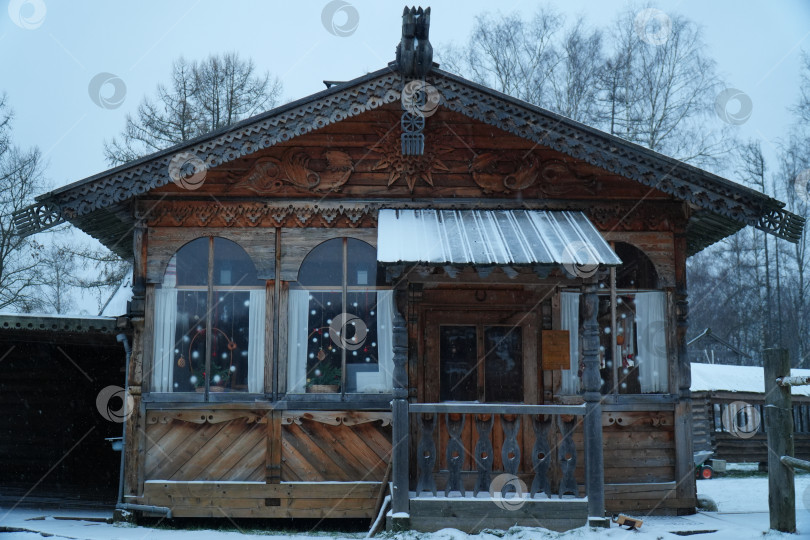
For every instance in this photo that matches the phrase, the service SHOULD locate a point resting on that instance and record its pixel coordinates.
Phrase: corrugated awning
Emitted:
(490, 237)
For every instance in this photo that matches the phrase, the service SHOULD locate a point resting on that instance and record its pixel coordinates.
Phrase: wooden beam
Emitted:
(779, 426)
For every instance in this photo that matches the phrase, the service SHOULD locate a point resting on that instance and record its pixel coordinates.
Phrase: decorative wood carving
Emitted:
(269, 175)
(410, 168)
(257, 214)
(510, 450)
(567, 456)
(202, 416)
(483, 452)
(454, 453)
(495, 172)
(112, 189)
(426, 454)
(623, 419)
(541, 455)
(335, 418)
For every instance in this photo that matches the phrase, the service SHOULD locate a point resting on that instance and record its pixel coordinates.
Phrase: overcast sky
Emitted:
(47, 68)
(51, 51)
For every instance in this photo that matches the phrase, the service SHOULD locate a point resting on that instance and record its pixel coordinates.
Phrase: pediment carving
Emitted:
(297, 167)
(497, 172)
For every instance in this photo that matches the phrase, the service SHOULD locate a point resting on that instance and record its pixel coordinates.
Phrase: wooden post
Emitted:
(685, 488)
(594, 465)
(779, 428)
(400, 503)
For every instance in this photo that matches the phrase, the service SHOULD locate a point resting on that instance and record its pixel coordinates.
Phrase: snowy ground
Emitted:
(742, 514)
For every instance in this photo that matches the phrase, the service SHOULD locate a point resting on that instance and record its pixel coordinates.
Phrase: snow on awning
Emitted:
(490, 237)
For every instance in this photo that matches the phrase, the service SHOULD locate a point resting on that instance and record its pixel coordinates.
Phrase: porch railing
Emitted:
(551, 435)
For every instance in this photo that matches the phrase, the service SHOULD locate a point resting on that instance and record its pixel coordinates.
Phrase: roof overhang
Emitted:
(101, 204)
(515, 238)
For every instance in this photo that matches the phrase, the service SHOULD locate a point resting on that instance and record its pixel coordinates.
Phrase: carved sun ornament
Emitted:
(409, 169)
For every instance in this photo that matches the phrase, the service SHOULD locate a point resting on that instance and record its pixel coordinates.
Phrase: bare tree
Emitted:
(200, 97)
(57, 267)
(509, 54)
(20, 179)
(659, 92)
(576, 79)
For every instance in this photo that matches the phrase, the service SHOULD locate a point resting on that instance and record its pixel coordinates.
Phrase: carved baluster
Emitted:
(510, 452)
(455, 453)
(541, 460)
(483, 451)
(426, 454)
(567, 455)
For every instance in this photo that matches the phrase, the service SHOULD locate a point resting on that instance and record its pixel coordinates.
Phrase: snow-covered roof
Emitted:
(707, 377)
(58, 323)
(117, 303)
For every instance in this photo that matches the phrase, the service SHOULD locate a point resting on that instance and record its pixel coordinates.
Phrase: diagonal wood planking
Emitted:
(233, 450)
(316, 452)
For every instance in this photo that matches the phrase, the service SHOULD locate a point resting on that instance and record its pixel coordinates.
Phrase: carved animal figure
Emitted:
(415, 53)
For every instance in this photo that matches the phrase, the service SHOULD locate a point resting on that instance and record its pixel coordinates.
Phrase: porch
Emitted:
(521, 469)
(481, 465)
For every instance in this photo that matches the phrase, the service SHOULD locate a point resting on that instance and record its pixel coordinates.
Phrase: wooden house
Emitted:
(728, 415)
(409, 269)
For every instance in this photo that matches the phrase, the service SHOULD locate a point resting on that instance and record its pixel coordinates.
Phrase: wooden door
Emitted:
(489, 357)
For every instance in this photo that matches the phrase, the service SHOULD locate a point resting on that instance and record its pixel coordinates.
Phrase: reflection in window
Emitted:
(459, 373)
(503, 364)
(209, 321)
(339, 322)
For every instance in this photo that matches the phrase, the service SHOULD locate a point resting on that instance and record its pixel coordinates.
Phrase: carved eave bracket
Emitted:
(38, 217)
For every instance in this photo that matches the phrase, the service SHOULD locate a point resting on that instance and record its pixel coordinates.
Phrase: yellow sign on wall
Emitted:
(556, 352)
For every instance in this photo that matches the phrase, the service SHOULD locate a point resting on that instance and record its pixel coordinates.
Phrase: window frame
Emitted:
(210, 289)
(615, 392)
(345, 289)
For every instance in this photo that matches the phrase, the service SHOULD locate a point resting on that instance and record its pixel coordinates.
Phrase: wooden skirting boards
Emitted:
(260, 500)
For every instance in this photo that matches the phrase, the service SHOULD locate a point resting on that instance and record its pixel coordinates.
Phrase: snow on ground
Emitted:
(742, 514)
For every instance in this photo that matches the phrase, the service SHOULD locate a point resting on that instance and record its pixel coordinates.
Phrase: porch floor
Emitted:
(473, 514)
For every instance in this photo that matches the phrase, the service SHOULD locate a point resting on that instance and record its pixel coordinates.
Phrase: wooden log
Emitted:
(795, 463)
(779, 426)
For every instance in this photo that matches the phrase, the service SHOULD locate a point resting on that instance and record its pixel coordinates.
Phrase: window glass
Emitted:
(323, 266)
(458, 363)
(191, 263)
(233, 305)
(338, 325)
(232, 266)
(189, 352)
(362, 265)
(503, 364)
(639, 348)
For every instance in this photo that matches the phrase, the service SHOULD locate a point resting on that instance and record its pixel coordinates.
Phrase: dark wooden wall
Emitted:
(51, 432)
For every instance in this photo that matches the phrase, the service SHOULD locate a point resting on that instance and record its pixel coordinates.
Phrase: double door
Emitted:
(482, 356)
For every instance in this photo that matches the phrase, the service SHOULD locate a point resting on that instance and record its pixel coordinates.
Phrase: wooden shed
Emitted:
(410, 269)
(728, 415)
(52, 369)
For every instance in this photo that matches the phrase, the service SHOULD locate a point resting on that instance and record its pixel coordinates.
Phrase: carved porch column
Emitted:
(591, 383)
(400, 427)
(684, 464)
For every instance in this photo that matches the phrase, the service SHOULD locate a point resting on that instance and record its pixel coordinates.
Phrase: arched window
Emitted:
(637, 271)
(209, 321)
(339, 322)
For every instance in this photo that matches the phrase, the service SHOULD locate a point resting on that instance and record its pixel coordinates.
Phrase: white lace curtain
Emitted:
(166, 342)
(297, 342)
